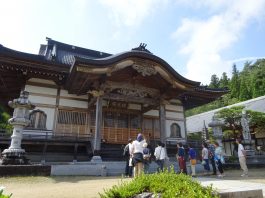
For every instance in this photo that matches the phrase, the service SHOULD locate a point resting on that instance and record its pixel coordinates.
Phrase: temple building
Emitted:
(90, 98)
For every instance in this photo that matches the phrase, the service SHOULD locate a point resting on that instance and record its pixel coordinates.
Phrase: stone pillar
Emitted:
(162, 122)
(15, 154)
(246, 134)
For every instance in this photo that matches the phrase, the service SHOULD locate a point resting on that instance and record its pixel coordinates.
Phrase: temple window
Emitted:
(38, 119)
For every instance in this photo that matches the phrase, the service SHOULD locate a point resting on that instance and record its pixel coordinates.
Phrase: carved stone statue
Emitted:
(175, 131)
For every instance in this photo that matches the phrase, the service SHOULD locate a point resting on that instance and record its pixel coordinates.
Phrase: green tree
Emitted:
(256, 120)
(214, 81)
(224, 81)
(4, 117)
(232, 118)
(235, 83)
(258, 79)
(245, 93)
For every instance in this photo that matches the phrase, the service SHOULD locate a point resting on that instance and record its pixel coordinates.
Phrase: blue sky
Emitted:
(197, 38)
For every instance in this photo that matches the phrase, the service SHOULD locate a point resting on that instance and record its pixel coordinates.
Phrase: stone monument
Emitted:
(15, 155)
(246, 134)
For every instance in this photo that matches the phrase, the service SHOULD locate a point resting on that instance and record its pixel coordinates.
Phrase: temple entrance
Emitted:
(118, 127)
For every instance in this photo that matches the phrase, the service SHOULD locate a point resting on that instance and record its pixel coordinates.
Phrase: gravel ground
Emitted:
(86, 187)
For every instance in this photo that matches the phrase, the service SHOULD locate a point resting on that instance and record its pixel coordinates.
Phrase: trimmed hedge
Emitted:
(165, 184)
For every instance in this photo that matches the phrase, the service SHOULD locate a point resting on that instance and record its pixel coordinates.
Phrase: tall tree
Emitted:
(258, 79)
(235, 83)
(214, 81)
(224, 81)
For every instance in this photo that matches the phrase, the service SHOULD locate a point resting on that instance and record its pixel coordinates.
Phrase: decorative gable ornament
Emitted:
(145, 70)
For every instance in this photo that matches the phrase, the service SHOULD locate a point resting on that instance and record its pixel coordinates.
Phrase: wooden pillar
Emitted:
(56, 110)
(185, 126)
(97, 140)
(44, 149)
(75, 151)
(162, 122)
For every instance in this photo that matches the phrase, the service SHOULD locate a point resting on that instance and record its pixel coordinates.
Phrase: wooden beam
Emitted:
(125, 98)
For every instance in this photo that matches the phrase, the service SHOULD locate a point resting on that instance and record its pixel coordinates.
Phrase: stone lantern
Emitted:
(216, 125)
(15, 154)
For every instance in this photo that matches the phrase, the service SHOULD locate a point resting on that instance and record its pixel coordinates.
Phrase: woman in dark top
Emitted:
(181, 158)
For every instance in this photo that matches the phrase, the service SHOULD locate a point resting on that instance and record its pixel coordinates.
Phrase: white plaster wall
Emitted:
(152, 113)
(65, 94)
(180, 123)
(38, 80)
(41, 90)
(42, 100)
(174, 115)
(196, 123)
(50, 116)
(174, 107)
(134, 106)
(72, 103)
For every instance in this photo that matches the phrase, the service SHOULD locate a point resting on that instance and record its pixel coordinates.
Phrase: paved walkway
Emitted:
(234, 182)
(232, 185)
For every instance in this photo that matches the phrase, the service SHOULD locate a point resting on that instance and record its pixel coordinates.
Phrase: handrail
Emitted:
(50, 135)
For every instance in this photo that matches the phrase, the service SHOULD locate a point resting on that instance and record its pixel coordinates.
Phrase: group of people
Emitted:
(211, 153)
(138, 157)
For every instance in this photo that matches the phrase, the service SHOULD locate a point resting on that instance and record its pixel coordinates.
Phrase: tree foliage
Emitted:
(232, 119)
(244, 85)
(4, 117)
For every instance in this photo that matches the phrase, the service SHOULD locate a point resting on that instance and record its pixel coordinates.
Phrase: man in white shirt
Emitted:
(242, 158)
(160, 155)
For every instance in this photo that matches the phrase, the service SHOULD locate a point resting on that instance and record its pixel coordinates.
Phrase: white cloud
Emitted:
(130, 13)
(205, 40)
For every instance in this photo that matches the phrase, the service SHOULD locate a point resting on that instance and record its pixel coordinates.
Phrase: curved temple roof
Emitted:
(68, 64)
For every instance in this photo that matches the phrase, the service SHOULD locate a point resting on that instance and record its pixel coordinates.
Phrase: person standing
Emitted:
(137, 154)
(219, 159)
(205, 157)
(147, 157)
(127, 154)
(166, 159)
(160, 156)
(212, 157)
(192, 157)
(242, 158)
(181, 158)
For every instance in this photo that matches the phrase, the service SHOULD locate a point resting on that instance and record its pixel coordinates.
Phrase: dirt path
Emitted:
(57, 187)
(88, 187)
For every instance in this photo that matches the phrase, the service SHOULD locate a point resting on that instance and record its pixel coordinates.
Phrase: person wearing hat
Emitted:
(127, 154)
(147, 157)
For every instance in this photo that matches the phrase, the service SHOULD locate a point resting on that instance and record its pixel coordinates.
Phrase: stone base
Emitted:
(14, 157)
(96, 159)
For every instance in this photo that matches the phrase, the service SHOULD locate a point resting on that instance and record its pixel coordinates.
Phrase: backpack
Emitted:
(126, 151)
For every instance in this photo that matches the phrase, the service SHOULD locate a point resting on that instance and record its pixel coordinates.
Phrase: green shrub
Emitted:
(4, 196)
(168, 184)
